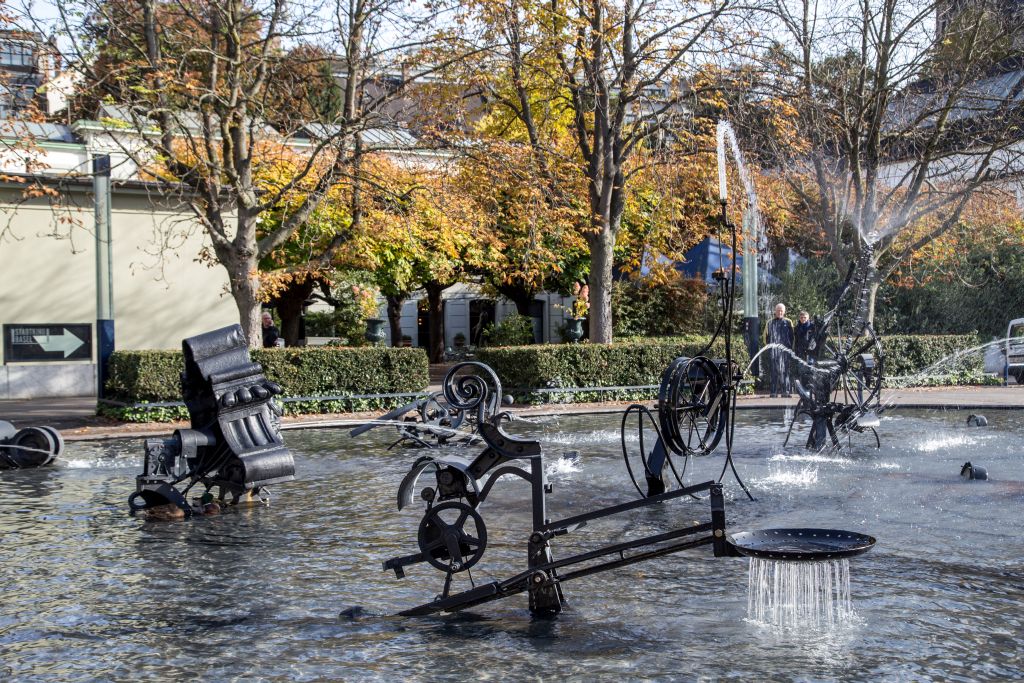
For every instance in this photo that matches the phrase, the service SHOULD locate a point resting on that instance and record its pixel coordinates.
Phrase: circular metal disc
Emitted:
(796, 545)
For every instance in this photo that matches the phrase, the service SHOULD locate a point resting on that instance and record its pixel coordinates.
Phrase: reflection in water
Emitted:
(92, 593)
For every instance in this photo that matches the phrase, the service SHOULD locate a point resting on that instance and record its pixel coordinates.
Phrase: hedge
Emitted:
(907, 355)
(934, 360)
(531, 372)
(634, 363)
(139, 377)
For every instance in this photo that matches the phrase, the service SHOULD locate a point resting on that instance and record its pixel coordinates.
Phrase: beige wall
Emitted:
(161, 294)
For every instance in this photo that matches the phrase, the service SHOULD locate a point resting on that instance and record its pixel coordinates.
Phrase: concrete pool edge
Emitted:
(931, 398)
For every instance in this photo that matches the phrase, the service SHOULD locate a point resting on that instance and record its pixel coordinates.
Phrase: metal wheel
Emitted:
(444, 540)
(31, 447)
(859, 362)
(692, 411)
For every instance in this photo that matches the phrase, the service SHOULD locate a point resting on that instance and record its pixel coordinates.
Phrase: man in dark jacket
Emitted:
(779, 331)
(804, 333)
(270, 333)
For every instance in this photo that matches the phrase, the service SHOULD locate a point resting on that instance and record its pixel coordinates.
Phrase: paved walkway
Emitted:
(77, 419)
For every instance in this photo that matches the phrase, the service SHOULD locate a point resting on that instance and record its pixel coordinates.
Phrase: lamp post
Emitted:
(104, 270)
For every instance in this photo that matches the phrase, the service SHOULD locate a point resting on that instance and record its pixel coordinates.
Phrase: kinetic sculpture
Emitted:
(696, 405)
(28, 447)
(840, 388)
(437, 420)
(234, 443)
(452, 534)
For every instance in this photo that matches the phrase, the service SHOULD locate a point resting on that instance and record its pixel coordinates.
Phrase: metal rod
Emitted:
(631, 505)
(627, 545)
(633, 559)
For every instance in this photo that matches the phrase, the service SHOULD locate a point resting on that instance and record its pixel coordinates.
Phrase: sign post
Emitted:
(104, 270)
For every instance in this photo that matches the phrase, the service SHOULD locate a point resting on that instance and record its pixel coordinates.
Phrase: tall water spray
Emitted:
(754, 242)
(799, 594)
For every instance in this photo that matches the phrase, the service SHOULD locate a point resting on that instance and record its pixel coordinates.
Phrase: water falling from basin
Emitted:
(799, 594)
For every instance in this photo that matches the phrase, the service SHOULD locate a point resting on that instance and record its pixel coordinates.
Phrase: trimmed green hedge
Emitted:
(154, 376)
(908, 354)
(929, 360)
(523, 369)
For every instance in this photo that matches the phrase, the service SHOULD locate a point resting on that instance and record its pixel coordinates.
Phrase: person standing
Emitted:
(779, 331)
(804, 337)
(270, 332)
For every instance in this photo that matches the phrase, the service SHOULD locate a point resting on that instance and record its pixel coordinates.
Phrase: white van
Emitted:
(1007, 358)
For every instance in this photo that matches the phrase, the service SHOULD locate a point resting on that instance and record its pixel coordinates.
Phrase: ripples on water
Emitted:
(93, 594)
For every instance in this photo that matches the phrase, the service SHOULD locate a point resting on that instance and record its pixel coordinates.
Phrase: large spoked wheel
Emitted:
(857, 353)
(448, 541)
(692, 411)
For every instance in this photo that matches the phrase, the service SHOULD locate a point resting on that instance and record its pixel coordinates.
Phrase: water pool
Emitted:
(91, 593)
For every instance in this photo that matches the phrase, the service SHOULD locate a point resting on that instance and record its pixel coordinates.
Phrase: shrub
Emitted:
(907, 355)
(322, 324)
(154, 376)
(524, 369)
(515, 330)
(808, 286)
(636, 362)
(680, 305)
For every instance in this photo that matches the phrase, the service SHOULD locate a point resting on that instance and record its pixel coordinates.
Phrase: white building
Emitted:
(163, 292)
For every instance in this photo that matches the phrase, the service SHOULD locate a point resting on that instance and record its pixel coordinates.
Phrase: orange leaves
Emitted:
(273, 284)
(991, 222)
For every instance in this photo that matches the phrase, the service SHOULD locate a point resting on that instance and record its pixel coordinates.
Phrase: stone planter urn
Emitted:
(574, 329)
(374, 330)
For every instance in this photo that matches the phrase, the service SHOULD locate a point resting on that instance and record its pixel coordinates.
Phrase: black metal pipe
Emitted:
(631, 505)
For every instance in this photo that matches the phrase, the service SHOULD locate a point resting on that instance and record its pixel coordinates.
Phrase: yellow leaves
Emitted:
(275, 283)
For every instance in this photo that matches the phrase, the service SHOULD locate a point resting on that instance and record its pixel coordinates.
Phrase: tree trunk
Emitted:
(601, 245)
(395, 318)
(245, 287)
(435, 308)
(872, 299)
(289, 308)
(521, 296)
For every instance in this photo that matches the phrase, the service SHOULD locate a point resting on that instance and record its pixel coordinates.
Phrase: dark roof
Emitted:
(980, 98)
(37, 132)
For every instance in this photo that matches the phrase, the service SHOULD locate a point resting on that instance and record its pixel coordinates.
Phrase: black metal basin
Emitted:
(801, 545)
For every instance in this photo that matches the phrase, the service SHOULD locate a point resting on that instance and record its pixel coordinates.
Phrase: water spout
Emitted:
(723, 186)
(799, 594)
(754, 241)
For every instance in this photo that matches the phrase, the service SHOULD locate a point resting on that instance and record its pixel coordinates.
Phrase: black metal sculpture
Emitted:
(29, 447)
(695, 410)
(440, 419)
(840, 387)
(697, 400)
(234, 442)
(452, 534)
(696, 403)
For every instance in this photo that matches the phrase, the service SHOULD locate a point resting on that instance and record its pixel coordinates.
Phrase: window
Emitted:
(16, 54)
(14, 99)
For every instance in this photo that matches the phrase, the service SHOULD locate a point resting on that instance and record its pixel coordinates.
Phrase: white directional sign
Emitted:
(66, 342)
(47, 342)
